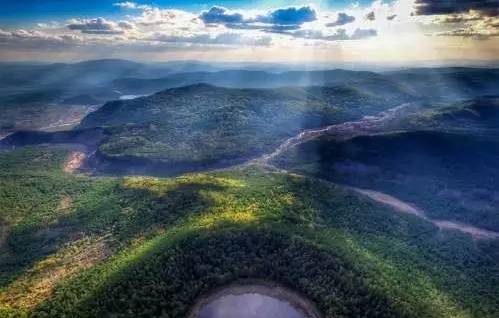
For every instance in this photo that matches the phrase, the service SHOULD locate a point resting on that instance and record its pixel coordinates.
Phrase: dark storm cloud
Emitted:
(342, 19)
(431, 7)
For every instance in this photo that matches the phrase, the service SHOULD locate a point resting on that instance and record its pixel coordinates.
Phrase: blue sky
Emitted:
(258, 30)
(25, 11)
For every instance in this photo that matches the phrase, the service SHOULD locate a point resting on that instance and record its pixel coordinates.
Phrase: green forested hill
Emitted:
(451, 176)
(202, 123)
(75, 246)
(475, 115)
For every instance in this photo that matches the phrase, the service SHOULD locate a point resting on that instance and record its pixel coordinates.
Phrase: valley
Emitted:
(364, 205)
(249, 159)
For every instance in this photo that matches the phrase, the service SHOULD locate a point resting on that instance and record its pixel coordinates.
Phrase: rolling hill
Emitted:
(479, 115)
(142, 246)
(393, 216)
(450, 176)
(448, 83)
(207, 124)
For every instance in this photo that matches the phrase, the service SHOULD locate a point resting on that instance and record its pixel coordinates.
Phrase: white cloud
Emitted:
(153, 28)
(207, 38)
(131, 5)
(338, 35)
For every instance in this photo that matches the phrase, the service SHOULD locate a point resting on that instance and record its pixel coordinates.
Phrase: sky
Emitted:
(367, 31)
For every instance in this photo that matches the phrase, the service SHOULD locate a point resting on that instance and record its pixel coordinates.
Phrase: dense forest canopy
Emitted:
(370, 194)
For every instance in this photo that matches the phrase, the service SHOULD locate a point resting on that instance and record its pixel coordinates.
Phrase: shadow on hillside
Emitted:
(123, 211)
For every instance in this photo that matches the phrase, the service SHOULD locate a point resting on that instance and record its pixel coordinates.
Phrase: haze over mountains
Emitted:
(101, 80)
(59, 95)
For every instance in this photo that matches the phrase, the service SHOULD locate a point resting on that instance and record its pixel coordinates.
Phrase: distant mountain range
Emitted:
(103, 80)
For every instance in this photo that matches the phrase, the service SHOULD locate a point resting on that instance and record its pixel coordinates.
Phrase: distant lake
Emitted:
(127, 97)
(254, 302)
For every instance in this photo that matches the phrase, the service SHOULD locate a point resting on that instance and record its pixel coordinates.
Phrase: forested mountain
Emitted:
(444, 83)
(140, 246)
(108, 79)
(203, 123)
(62, 75)
(370, 194)
(448, 83)
(248, 79)
(475, 115)
(72, 90)
(449, 176)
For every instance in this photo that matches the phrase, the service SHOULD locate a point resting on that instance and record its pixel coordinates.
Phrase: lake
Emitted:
(254, 301)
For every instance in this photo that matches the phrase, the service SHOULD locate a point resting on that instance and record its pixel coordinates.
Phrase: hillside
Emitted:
(368, 197)
(449, 176)
(432, 83)
(126, 246)
(102, 80)
(206, 124)
(36, 87)
(250, 79)
(448, 83)
(475, 115)
(81, 74)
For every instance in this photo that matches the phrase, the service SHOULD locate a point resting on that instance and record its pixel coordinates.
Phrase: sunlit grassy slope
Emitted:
(76, 246)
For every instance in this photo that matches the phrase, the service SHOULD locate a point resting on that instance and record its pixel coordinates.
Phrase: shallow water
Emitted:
(249, 305)
(127, 97)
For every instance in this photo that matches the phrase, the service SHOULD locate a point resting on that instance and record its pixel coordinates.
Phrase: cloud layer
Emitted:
(468, 18)
(431, 7)
(143, 27)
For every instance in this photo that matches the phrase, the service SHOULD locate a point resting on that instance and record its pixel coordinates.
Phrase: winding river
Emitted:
(365, 126)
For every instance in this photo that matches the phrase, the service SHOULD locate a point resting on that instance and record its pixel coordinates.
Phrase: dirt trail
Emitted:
(473, 231)
(381, 123)
(391, 201)
(409, 208)
(4, 134)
